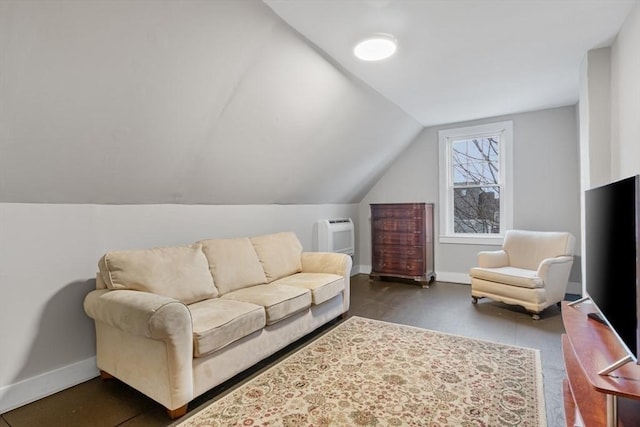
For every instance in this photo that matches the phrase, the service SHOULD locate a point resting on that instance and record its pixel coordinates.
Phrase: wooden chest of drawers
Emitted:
(402, 241)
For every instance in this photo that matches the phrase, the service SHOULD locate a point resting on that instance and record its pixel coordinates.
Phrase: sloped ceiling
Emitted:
(464, 59)
(216, 102)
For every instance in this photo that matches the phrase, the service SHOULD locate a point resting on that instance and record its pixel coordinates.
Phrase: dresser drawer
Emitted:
(392, 224)
(415, 238)
(395, 266)
(415, 212)
(398, 252)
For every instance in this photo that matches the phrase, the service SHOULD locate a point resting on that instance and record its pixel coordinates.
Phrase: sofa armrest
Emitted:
(146, 341)
(555, 274)
(326, 262)
(493, 259)
(330, 262)
(139, 313)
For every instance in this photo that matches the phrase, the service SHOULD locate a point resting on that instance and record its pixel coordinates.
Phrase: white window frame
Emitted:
(446, 138)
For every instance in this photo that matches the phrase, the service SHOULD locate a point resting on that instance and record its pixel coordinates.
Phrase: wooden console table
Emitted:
(591, 399)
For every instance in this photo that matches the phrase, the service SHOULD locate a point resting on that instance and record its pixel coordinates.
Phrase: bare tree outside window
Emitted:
(476, 185)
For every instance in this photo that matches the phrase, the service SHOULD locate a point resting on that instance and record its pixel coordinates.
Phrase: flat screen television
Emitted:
(612, 214)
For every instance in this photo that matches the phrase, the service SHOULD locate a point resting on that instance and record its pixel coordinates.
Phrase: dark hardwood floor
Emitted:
(444, 307)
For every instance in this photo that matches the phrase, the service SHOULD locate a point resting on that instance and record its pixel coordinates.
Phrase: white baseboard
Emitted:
(448, 276)
(34, 388)
(440, 276)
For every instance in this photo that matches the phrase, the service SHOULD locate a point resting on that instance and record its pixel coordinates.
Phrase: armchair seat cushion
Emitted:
(279, 301)
(506, 276)
(323, 286)
(218, 322)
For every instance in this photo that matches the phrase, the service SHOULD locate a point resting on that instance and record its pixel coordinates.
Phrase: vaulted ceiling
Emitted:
(223, 102)
(464, 59)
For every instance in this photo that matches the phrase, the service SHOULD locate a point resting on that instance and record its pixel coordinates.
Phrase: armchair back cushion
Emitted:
(279, 253)
(234, 263)
(527, 249)
(179, 272)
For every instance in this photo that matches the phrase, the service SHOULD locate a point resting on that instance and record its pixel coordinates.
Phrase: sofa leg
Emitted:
(177, 413)
(535, 316)
(474, 300)
(105, 375)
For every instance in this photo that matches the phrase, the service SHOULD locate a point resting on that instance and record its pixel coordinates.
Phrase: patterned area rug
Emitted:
(370, 373)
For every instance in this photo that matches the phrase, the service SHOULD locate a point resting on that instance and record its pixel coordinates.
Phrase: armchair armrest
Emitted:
(139, 313)
(549, 265)
(493, 259)
(555, 274)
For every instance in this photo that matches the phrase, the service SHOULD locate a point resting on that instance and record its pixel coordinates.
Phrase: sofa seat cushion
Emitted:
(323, 286)
(279, 301)
(509, 275)
(218, 322)
(280, 254)
(234, 263)
(180, 272)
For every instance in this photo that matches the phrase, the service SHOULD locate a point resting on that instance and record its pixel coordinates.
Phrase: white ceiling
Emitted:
(464, 59)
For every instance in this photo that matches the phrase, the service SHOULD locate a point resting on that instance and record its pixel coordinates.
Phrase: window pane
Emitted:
(476, 210)
(475, 161)
(475, 174)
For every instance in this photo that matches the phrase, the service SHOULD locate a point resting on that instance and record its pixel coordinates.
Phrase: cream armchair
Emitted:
(531, 270)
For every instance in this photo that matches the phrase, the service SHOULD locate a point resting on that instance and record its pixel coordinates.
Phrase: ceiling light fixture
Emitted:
(375, 48)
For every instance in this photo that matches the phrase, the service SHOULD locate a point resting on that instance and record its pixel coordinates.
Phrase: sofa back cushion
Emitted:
(233, 263)
(280, 254)
(179, 272)
(526, 249)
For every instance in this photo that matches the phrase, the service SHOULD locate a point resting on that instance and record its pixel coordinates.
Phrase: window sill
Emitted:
(473, 240)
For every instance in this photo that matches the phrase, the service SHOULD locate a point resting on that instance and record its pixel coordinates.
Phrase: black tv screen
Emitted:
(611, 256)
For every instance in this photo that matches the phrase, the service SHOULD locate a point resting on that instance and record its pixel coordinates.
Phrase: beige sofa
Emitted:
(174, 322)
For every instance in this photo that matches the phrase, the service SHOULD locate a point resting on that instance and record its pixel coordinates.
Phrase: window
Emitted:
(476, 200)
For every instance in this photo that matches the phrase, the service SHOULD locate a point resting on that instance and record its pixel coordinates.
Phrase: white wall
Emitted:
(48, 260)
(546, 184)
(595, 119)
(610, 108)
(625, 98)
(594, 108)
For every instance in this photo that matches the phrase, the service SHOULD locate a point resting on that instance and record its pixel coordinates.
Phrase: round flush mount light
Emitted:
(376, 47)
